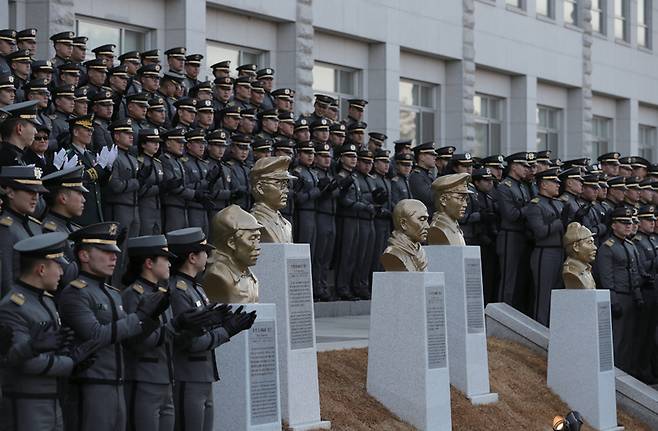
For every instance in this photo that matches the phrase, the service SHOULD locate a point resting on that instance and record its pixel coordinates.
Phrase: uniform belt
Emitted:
(29, 395)
(93, 381)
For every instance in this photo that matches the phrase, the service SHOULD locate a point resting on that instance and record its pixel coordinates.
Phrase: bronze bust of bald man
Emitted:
(404, 251)
(236, 236)
(269, 187)
(581, 252)
(450, 201)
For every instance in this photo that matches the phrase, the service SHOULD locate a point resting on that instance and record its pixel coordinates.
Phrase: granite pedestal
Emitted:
(581, 356)
(247, 395)
(284, 277)
(467, 338)
(407, 348)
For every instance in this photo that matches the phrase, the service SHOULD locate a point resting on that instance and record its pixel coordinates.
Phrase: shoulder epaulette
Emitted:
(17, 298)
(180, 284)
(184, 159)
(507, 182)
(138, 288)
(230, 162)
(609, 242)
(140, 159)
(535, 200)
(163, 289)
(36, 220)
(50, 225)
(395, 179)
(6, 221)
(80, 284)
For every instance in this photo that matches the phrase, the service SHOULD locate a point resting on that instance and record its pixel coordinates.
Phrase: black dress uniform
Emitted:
(421, 179)
(150, 204)
(383, 222)
(59, 120)
(240, 175)
(174, 192)
(306, 192)
(219, 176)
(195, 366)
(543, 216)
(484, 234)
(366, 239)
(101, 136)
(196, 173)
(400, 187)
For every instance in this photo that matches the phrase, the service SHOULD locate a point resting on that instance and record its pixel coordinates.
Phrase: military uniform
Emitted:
(240, 175)
(175, 199)
(101, 136)
(306, 193)
(383, 222)
(420, 184)
(93, 177)
(120, 195)
(60, 127)
(196, 171)
(400, 188)
(150, 204)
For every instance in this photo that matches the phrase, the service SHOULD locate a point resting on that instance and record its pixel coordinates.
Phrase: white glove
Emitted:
(59, 158)
(103, 157)
(113, 154)
(70, 163)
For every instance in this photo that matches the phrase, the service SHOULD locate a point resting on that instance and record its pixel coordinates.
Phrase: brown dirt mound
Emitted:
(517, 374)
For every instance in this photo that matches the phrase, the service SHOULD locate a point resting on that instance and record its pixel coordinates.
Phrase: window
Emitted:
(647, 142)
(216, 52)
(104, 32)
(644, 23)
(336, 81)
(621, 19)
(515, 3)
(417, 111)
(545, 8)
(598, 16)
(548, 128)
(488, 112)
(601, 133)
(571, 12)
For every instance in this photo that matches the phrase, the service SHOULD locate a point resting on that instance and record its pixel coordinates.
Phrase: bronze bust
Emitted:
(236, 235)
(269, 187)
(450, 201)
(581, 252)
(404, 251)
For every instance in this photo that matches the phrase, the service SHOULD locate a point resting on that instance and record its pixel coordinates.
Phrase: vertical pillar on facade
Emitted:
(49, 17)
(4, 13)
(384, 90)
(625, 127)
(460, 86)
(185, 25)
(294, 68)
(523, 114)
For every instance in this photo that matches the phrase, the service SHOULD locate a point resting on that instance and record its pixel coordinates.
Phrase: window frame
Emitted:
(576, 8)
(420, 109)
(602, 13)
(147, 33)
(550, 5)
(340, 96)
(646, 25)
(597, 138)
(625, 18)
(645, 130)
(488, 121)
(548, 130)
(515, 4)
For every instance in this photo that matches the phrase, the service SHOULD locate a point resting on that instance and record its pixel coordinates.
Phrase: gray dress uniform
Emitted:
(573, 204)
(240, 174)
(149, 368)
(150, 205)
(400, 188)
(383, 222)
(120, 193)
(93, 177)
(306, 193)
(220, 185)
(512, 245)
(195, 366)
(325, 222)
(29, 387)
(618, 271)
(196, 172)
(594, 220)
(13, 228)
(545, 224)
(420, 184)
(60, 127)
(175, 199)
(471, 222)
(101, 137)
(366, 238)
(93, 309)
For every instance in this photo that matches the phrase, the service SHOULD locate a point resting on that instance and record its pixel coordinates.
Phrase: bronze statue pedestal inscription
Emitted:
(404, 251)
(581, 252)
(236, 235)
(450, 201)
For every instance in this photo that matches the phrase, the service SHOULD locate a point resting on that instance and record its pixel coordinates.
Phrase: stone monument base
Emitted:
(407, 348)
(581, 356)
(247, 396)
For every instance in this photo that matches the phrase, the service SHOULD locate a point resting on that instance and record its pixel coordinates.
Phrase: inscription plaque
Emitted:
(474, 305)
(300, 304)
(264, 388)
(605, 336)
(436, 327)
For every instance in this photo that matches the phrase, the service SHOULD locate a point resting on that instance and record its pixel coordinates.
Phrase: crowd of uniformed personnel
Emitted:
(121, 152)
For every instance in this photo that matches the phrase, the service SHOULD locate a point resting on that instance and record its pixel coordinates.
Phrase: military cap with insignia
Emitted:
(653, 169)
(306, 147)
(267, 73)
(247, 68)
(8, 34)
(576, 232)
(581, 163)
(230, 111)
(156, 103)
(201, 86)
(454, 183)
(249, 113)
(36, 86)
(96, 64)
(625, 162)
(241, 140)
(81, 94)
(632, 183)
(27, 34)
(270, 114)
(49, 246)
(622, 215)
(521, 157)
(366, 155)
(347, 149)
(320, 124)
(618, 182)
(286, 117)
(222, 65)
(188, 240)
(591, 180)
(324, 100)
(19, 56)
(647, 184)
(152, 70)
(178, 51)
(69, 178)
(544, 156)
(402, 143)
(482, 174)
(261, 144)
(217, 137)
(70, 68)
(257, 86)
(462, 159)
(80, 41)
(322, 148)
(195, 135)
(107, 49)
(383, 155)
(150, 245)
(338, 129)
(281, 142)
(194, 59)
(22, 178)
(130, 56)
(233, 218)
(493, 161)
(24, 110)
(243, 80)
(205, 105)
(99, 235)
(445, 152)
(84, 121)
(424, 148)
(187, 103)
(571, 173)
(65, 37)
(282, 93)
(640, 162)
(359, 104)
(647, 212)
(404, 159)
(612, 158)
(148, 134)
(175, 133)
(120, 71)
(41, 66)
(152, 54)
(225, 82)
(7, 81)
(121, 125)
(103, 97)
(64, 91)
(550, 174)
(301, 124)
(357, 127)
(378, 137)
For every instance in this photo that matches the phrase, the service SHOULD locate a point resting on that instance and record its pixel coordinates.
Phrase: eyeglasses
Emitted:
(40, 138)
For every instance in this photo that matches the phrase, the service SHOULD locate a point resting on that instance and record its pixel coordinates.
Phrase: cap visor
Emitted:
(108, 247)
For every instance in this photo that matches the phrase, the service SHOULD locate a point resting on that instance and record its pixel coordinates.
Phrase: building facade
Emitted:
(579, 77)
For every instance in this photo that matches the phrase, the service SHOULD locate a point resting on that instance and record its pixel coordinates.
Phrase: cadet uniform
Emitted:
(543, 215)
(101, 136)
(59, 120)
(421, 179)
(485, 236)
(240, 175)
(150, 204)
(175, 194)
(196, 172)
(400, 187)
(219, 177)
(594, 217)
(306, 193)
(384, 210)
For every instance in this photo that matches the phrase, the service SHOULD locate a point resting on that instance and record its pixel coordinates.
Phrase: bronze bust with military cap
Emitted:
(269, 187)
(404, 251)
(236, 235)
(581, 252)
(450, 203)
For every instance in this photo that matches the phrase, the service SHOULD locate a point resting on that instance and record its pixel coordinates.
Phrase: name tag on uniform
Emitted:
(198, 304)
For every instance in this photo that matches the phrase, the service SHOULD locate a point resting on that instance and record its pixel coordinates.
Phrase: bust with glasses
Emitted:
(450, 201)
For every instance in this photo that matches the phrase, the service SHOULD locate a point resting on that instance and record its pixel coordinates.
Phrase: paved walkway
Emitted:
(336, 333)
